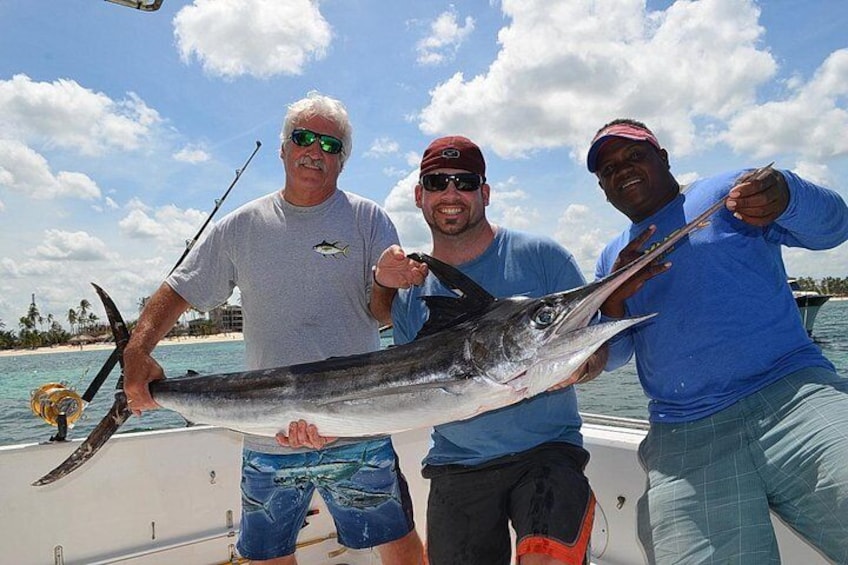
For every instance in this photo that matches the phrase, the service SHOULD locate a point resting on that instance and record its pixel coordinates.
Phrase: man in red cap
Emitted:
(521, 464)
(746, 413)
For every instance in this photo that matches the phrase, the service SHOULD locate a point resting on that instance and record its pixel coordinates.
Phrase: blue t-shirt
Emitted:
(514, 264)
(728, 324)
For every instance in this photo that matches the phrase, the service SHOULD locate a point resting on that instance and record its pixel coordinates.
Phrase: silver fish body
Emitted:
(452, 375)
(501, 353)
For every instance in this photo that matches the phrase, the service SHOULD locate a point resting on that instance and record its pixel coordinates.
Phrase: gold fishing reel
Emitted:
(52, 401)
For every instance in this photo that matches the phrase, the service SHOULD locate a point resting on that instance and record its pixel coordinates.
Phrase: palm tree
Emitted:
(82, 311)
(72, 318)
(33, 314)
(92, 320)
(28, 335)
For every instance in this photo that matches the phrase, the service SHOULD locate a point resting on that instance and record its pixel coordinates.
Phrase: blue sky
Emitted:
(119, 128)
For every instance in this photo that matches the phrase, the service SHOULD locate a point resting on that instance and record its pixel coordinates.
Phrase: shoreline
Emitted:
(184, 340)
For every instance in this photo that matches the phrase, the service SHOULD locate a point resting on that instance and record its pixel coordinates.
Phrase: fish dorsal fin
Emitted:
(446, 311)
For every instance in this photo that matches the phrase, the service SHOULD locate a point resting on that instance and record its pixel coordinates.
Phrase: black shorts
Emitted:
(542, 491)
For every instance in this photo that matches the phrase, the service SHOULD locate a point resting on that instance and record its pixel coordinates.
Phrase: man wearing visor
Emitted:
(301, 257)
(522, 464)
(746, 413)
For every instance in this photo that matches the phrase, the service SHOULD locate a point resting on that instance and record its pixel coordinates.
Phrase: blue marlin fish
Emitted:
(476, 353)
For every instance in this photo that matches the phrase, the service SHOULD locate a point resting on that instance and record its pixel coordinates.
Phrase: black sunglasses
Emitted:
(464, 182)
(328, 143)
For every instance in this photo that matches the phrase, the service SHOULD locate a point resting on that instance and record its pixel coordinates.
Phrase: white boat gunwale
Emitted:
(169, 496)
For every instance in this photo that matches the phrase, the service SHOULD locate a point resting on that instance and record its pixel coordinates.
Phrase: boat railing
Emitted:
(615, 421)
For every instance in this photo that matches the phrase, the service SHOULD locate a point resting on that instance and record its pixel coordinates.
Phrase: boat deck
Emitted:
(172, 496)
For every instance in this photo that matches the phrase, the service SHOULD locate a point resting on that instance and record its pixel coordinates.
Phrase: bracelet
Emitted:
(376, 282)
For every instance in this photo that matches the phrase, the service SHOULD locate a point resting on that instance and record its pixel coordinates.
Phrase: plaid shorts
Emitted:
(361, 484)
(712, 482)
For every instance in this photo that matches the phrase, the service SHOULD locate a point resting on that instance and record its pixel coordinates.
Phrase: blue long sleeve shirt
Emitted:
(727, 322)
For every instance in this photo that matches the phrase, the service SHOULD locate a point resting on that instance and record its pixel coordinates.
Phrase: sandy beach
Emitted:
(97, 346)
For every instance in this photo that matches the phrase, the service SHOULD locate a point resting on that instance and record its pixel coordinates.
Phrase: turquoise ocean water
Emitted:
(615, 394)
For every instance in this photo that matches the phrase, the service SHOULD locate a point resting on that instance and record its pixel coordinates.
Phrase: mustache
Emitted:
(310, 162)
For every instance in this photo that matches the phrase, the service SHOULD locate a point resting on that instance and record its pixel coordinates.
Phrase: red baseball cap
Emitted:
(623, 130)
(453, 152)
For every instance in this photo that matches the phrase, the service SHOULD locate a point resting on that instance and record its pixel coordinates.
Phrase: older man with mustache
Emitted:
(299, 306)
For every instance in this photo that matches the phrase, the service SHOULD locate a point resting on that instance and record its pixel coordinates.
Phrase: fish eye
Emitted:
(544, 316)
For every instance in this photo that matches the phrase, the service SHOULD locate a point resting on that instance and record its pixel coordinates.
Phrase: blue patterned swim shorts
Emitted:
(361, 484)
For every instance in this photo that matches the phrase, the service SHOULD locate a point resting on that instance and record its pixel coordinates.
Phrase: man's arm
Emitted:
(381, 301)
(392, 271)
(795, 211)
(160, 314)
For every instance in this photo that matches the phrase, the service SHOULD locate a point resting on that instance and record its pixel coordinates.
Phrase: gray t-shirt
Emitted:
(304, 274)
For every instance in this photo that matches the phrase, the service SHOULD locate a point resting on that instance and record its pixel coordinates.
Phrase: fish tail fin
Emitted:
(116, 322)
(118, 413)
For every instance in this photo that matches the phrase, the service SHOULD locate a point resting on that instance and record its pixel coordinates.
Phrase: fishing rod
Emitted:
(218, 201)
(59, 405)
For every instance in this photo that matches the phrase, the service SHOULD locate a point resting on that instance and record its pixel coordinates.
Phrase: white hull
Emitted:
(172, 496)
(809, 302)
(809, 305)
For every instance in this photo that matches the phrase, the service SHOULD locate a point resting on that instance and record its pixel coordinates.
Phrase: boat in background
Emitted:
(809, 302)
(172, 496)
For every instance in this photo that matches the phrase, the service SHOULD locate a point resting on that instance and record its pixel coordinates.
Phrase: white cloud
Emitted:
(2, 206)
(66, 115)
(138, 224)
(400, 204)
(168, 224)
(191, 154)
(412, 159)
(816, 264)
(27, 172)
(72, 246)
(136, 203)
(566, 68)
(509, 205)
(261, 38)
(578, 231)
(382, 146)
(395, 172)
(29, 268)
(772, 128)
(443, 39)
